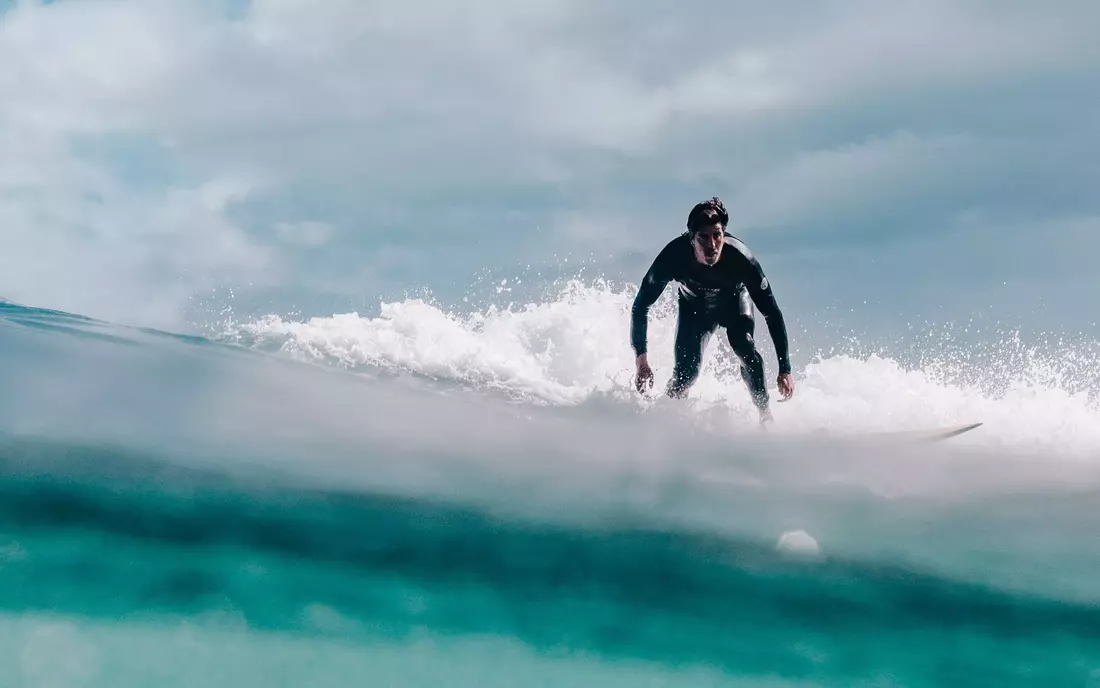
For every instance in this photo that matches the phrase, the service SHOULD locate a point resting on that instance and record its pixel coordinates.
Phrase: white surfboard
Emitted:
(929, 435)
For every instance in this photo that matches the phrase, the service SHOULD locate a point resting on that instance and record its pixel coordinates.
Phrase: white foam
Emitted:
(558, 352)
(574, 347)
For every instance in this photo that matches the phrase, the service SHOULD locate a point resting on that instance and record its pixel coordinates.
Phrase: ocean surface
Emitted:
(418, 497)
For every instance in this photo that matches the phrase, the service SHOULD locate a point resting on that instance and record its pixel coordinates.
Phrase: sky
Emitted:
(888, 162)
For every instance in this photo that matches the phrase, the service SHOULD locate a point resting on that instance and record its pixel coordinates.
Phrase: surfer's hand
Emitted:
(644, 378)
(786, 385)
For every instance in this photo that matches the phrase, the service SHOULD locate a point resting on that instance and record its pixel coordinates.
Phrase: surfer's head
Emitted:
(706, 226)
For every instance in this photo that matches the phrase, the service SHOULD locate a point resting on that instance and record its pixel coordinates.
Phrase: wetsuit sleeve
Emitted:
(653, 285)
(761, 291)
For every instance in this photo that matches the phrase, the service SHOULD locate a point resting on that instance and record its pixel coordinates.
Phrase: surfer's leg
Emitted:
(740, 324)
(693, 330)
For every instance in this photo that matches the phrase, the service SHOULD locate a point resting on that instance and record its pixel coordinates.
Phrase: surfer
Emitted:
(719, 281)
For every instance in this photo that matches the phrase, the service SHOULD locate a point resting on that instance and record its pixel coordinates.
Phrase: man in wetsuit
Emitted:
(719, 281)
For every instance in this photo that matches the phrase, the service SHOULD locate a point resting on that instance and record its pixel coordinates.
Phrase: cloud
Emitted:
(154, 149)
(79, 238)
(836, 187)
(305, 233)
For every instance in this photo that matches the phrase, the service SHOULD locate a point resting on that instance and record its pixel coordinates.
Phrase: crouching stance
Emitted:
(719, 282)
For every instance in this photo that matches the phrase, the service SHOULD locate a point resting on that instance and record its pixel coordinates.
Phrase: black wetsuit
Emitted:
(709, 297)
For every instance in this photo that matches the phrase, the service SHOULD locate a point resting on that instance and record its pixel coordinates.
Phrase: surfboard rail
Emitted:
(925, 435)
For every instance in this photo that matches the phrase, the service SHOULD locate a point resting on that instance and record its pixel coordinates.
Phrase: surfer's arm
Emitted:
(761, 291)
(653, 285)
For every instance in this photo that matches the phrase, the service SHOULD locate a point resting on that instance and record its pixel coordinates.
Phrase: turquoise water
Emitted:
(279, 507)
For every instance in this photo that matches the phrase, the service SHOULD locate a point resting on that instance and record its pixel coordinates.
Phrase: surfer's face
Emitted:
(708, 242)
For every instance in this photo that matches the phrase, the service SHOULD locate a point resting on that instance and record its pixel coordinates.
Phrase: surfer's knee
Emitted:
(741, 332)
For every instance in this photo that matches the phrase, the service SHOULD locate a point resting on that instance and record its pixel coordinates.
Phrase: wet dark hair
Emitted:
(707, 213)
